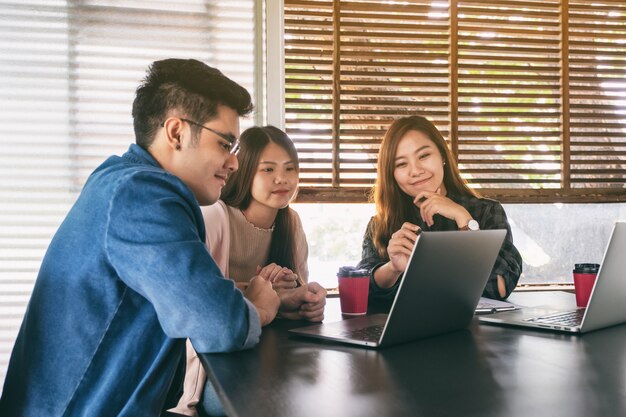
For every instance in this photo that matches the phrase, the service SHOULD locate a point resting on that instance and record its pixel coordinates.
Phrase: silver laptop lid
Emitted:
(442, 284)
(607, 303)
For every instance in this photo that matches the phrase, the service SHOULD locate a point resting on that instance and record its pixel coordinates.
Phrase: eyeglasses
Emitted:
(233, 144)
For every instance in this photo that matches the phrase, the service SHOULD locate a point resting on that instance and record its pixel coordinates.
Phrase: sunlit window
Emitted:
(68, 75)
(550, 237)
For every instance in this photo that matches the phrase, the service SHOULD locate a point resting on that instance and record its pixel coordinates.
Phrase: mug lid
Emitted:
(586, 268)
(351, 271)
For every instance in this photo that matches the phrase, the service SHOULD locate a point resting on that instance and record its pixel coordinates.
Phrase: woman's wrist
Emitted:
(463, 218)
(386, 276)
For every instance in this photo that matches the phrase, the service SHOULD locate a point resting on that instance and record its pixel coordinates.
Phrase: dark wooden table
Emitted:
(484, 371)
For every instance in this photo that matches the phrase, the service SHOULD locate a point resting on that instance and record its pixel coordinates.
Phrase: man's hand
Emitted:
(264, 298)
(305, 302)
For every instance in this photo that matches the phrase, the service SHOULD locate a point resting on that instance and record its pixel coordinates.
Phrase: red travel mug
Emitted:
(584, 278)
(354, 287)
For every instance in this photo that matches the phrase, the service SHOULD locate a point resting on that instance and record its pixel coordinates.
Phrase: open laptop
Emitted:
(445, 276)
(606, 307)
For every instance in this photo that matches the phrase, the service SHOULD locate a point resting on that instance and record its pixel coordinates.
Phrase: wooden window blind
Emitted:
(597, 94)
(530, 94)
(68, 74)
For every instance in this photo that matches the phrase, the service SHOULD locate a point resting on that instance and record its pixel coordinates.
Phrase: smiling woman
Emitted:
(256, 200)
(419, 187)
(253, 232)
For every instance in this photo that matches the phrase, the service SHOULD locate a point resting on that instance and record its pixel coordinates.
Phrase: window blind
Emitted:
(68, 74)
(597, 81)
(509, 100)
(528, 93)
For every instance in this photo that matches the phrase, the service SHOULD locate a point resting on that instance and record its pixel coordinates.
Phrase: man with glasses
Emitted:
(127, 277)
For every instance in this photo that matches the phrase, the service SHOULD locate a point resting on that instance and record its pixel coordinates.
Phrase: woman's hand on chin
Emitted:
(431, 203)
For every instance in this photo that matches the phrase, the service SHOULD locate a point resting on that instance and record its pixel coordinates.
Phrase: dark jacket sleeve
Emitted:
(509, 261)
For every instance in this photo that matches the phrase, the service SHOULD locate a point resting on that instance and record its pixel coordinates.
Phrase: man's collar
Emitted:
(139, 155)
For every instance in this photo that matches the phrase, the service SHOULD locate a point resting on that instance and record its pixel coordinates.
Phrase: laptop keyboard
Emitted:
(372, 333)
(569, 318)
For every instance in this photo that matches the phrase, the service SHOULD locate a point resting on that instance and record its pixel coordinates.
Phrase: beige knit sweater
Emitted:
(237, 246)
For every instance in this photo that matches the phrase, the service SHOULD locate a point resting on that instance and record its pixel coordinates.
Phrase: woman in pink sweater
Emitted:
(252, 231)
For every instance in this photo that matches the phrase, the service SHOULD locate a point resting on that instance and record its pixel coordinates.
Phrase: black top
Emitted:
(489, 214)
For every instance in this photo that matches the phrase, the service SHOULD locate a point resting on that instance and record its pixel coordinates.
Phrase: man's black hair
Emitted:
(188, 86)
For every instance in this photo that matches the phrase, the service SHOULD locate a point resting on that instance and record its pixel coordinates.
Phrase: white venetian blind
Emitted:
(68, 72)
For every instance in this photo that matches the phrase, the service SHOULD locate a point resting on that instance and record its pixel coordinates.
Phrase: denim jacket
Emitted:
(125, 280)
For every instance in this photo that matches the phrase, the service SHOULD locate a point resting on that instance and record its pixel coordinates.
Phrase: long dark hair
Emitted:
(237, 191)
(393, 206)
